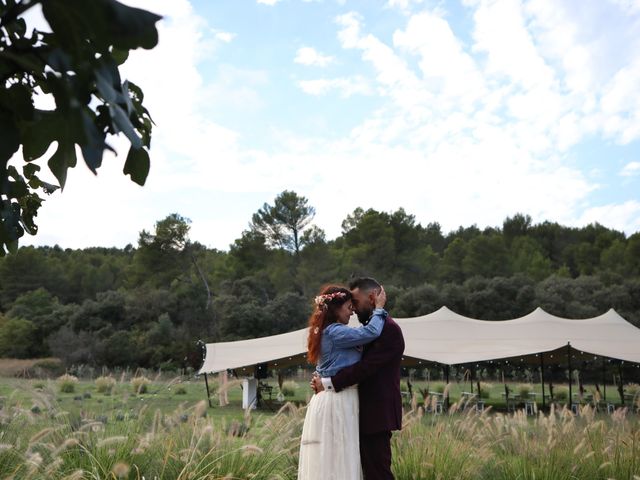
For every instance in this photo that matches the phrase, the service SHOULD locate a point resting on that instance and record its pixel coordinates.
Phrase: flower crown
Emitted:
(322, 300)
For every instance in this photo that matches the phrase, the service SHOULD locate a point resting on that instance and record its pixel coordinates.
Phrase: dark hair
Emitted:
(324, 313)
(366, 284)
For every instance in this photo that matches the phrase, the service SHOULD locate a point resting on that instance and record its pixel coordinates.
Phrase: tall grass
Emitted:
(188, 444)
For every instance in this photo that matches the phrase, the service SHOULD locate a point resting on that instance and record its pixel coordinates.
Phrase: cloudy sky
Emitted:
(461, 111)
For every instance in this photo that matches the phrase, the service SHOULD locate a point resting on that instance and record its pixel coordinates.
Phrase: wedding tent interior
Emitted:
(447, 338)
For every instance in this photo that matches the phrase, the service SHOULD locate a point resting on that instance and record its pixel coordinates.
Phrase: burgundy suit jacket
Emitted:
(378, 377)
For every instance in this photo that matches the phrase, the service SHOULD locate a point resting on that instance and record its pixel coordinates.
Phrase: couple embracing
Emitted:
(348, 424)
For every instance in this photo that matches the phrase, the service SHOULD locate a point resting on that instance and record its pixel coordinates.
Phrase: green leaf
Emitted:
(17, 98)
(105, 23)
(137, 165)
(119, 56)
(93, 145)
(63, 159)
(27, 62)
(123, 123)
(12, 246)
(38, 135)
(108, 82)
(133, 27)
(48, 188)
(9, 137)
(30, 169)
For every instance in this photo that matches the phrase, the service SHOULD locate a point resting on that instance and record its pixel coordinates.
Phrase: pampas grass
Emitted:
(188, 443)
(105, 384)
(140, 385)
(67, 383)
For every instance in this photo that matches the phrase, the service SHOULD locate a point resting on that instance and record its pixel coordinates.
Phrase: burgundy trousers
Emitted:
(375, 455)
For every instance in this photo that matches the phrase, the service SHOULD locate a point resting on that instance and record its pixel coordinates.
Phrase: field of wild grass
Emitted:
(127, 428)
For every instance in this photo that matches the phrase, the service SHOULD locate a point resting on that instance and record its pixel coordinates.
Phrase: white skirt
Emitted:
(330, 444)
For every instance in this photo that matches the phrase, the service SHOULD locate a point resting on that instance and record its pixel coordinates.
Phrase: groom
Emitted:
(378, 379)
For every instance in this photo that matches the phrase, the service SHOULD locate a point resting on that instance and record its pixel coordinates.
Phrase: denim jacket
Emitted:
(342, 345)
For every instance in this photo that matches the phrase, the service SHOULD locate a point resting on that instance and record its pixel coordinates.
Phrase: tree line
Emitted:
(146, 305)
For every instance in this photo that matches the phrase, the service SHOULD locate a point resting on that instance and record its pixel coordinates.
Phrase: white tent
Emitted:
(446, 337)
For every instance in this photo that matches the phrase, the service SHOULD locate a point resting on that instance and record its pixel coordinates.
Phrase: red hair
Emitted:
(324, 314)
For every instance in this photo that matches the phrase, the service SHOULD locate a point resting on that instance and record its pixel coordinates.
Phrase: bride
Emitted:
(329, 447)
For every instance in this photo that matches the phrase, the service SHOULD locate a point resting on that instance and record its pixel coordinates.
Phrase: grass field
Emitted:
(169, 432)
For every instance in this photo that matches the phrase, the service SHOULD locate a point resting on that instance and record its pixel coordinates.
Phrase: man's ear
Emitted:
(372, 296)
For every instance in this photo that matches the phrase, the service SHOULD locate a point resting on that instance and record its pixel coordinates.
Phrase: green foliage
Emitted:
(140, 385)
(67, 383)
(17, 337)
(485, 390)
(105, 385)
(289, 388)
(561, 394)
(524, 389)
(77, 64)
(48, 367)
(146, 306)
(283, 223)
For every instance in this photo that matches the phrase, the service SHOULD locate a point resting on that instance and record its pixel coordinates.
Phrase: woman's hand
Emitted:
(381, 298)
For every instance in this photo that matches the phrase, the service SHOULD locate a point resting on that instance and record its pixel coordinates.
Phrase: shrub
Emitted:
(67, 383)
(632, 389)
(561, 393)
(437, 387)
(485, 390)
(140, 384)
(289, 388)
(48, 367)
(105, 385)
(524, 389)
(180, 391)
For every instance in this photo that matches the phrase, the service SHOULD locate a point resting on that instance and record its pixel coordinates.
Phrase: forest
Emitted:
(147, 304)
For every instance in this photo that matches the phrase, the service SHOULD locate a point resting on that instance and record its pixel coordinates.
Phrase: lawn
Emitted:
(170, 432)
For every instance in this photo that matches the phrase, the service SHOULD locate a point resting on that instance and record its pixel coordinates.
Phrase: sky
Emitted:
(461, 112)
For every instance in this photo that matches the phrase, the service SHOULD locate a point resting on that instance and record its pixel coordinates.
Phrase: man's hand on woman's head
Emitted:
(381, 298)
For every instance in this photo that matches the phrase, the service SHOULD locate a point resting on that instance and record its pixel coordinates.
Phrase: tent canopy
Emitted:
(449, 338)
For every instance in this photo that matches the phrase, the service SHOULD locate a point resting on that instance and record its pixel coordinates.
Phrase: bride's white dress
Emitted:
(330, 445)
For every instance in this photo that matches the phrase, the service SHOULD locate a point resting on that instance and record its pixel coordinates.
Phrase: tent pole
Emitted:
(621, 385)
(569, 363)
(206, 383)
(506, 389)
(542, 377)
(471, 378)
(604, 379)
(446, 377)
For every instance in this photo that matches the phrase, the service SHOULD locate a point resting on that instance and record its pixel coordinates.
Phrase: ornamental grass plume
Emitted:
(140, 385)
(105, 384)
(465, 446)
(67, 383)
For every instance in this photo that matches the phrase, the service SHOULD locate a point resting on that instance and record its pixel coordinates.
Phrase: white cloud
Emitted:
(630, 7)
(225, 37)
(268, 2)
(346, 87)
(460, 134)
(310, 56)
(189, 152)
(501, 34)
(445, 67)
(631, 169)
(404, 5)
(621, 104)
(623, 216)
